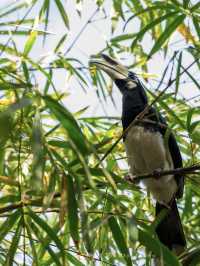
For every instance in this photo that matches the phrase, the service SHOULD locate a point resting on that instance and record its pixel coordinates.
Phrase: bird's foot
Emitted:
(156, 172)
(129, 178)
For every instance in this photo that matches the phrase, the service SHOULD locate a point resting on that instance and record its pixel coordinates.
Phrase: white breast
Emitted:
(147, 152)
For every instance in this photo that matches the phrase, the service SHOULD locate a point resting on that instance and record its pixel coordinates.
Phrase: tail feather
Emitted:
(170, 230)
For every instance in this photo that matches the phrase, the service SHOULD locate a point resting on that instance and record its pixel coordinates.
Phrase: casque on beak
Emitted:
(111, 66)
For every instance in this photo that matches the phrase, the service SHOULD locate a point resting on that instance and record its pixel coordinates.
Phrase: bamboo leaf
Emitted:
(62, 12)
(68, 122)
(60, 43)
(32, 244)
(72, 209)
(157, 248)
(31, 39)
(46, 247)
(14, 244)
(157, 5)
(119, 239)
(73, 260)
(11, 9)
(45, 227)
(8, 224)
(178, 73)
(197, 26)
(166, 34)
(152, 24)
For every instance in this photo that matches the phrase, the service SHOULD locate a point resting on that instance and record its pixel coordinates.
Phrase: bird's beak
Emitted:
(111, 66)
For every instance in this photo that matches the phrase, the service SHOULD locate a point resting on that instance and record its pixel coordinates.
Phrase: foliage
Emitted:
(59, 204)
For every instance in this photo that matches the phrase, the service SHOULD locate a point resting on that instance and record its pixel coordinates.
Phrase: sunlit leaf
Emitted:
(32, 38)
(14, 244)
(119, 239)
(44, 226)
(68, 122)
(62, 12)
(166, 34)
(72, 209)
(151, 25)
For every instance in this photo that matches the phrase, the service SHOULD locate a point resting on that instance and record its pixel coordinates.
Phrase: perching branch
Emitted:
(193, 169)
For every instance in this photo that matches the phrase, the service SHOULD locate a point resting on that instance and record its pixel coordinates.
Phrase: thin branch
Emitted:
(70, 250)
(193, 169)
(16, 28)
(81, 31)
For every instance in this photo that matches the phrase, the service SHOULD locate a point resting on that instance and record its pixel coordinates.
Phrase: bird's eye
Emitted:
(131, 85)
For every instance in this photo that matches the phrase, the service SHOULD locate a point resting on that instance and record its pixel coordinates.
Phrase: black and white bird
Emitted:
(150, 148)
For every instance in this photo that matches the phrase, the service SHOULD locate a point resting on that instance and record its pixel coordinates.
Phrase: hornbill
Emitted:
(150, 147)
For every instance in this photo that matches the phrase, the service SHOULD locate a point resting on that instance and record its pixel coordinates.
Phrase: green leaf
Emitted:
(150, 26)
(8, 224)
(60, 43)
(157, 5)
(152, 244)
(123, 37)
(31, 39)
(62, 12)
(38, 163)
(178, 73)
(197, 26)
(14, 7)
(189, 118)
(45, 246)
(73, 260)
(195, 7)
(119, 239)
(32, 244)
(72, 209)
(68, 122)
(170, 111)
(14, 244)
(166, 34)
(45, 227)
(196, 82)
(191, 258)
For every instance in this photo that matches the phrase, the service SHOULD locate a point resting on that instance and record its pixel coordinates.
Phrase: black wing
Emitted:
(177, 161)
(176, 157)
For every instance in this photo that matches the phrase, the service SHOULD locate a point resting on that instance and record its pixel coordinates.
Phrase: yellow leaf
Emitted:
(147, 75)
(6, 101)
(186, 33)
(8, 181)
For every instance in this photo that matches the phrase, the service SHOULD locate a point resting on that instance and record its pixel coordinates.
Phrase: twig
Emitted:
(81, 31)
(184, 171)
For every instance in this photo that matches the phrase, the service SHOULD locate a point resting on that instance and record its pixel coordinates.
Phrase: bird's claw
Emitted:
(129, 178)
(156, 172)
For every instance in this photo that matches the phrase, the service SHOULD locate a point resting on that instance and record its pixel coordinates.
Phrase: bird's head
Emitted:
(123, 78)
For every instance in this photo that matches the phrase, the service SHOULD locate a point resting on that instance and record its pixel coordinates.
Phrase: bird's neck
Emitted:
(132, 105)
(129, 115)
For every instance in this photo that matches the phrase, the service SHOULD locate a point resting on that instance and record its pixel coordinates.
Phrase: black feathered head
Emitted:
(134, 98)
(123, 78)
